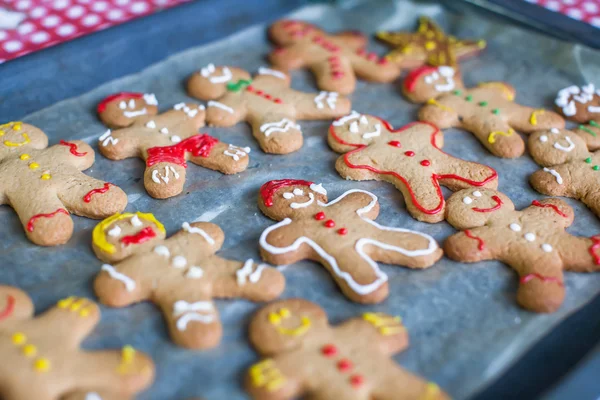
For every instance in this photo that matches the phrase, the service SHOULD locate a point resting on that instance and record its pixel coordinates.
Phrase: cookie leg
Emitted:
(399, 246)
(541, 284)
(163, 180)
(44, 217)
(555, 181)
(92, 394)
(581, 254)
(458, 174)
(123, 284)
(276, 133)
(397, 383)
(496, 136)
(335, 74)
(92, 198)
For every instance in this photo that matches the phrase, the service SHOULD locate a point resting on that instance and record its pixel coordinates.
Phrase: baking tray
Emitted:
(464, 323)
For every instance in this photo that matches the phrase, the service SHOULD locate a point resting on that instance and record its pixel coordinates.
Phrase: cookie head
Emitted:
(473, 207)
(121, 235)
(213, 81)
(579, 104)
(287, 31)
(120, 110)
(284, 325)
(19, 136)
(556, 146)
(286, 198)
(428, 82)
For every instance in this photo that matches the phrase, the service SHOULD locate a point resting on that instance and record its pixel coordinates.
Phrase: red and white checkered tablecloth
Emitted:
(30, 25)
(582, 10)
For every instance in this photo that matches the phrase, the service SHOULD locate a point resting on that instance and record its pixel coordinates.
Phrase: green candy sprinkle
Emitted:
(469, 98)
(595, 168)
(496, 111)
(588, 160)
(483, 103)
(457, 92)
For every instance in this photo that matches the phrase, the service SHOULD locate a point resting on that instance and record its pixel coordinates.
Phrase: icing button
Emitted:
(329, 223)
(320, 216)
(329, 350)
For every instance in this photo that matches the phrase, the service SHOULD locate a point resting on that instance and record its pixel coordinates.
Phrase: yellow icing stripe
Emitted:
(510, 96)
(433, 102)
(432, 391)
(17, 144)
(492, 136)
(99, 234)
(533, 119)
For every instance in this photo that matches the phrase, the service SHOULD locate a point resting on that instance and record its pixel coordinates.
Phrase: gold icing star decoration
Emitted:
(429, 45)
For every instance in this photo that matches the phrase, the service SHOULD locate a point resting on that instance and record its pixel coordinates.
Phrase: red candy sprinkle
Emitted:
(320, 215)
(425, 163)
(409, 153)
(357, 380)
(344, 365)
(342, 231)
(330, 223)
(395, 143)
(329, 350)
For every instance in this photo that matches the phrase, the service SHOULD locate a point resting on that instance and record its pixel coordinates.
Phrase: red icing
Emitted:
(118, 96)
(498, 201)
(198, 145)
(88, 197)
(434, 177)
(555, 208)
(594, 247)
(264, 95)
(344, 365)
(320, 216)
(329, 350)
(329, 223)
(481, 243)
(268, 189)
(142, 236)
(72, 148)
(357, 380)
(526, 278)
(395, 143)
(9, 309)
(326, 44)
(425, 163)
(409, 153)
(38, 216)
(342, 231)
(413, 76)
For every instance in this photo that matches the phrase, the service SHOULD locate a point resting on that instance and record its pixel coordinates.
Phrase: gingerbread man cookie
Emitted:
(409, 157)
(266, 102)
(352, 361)
(42, 359)
(429, 45)
(341, 235)
(488, 110)
(165, 142)
(44, 184)
(582, 105)
(336, 60)
(182, 275)
(123, 109)
(532, 241)
(569, 168)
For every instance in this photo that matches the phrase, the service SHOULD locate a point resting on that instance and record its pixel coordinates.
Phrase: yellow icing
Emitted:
(34, 165)
(510, 96)
(492, 135)
(127, 357)
(41, 365)
(24, 156)
(17, 144)
(99, 234)
(29, 350)
(266, 374)
(275, 319)
(434, 102)
(45, 177)
(534, 114)
(19, 338)
(386, 325)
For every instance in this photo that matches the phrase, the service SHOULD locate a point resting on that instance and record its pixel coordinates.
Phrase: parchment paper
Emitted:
(464, 323)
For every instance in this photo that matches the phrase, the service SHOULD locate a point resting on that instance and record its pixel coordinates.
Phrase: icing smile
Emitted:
(448, 86)
(277, 317)
(306, 203)
(142, 236)
(568, 148)
(498, 201)
(132, 114)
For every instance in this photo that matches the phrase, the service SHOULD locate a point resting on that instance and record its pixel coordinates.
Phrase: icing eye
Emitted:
(530, 237)
(436, 76)
(543, 138)
(555, 131)
(122, 105)
(132, 103)
(547, 247)
(135, 221)
(288, 195)
(515, 227)
(428, 79)
(164, 131)
(298, 192)
(477, 193)
(114, 232)
(467, 200)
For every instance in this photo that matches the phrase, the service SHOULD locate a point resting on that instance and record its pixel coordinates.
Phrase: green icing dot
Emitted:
(469, 98)
(496, 111)
(483, 103)
(457, 92)
(588, 160)
(595, 168)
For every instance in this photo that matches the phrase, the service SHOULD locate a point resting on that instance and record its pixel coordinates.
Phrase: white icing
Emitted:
(122, 105)
(543, 138)
(357, 287)
(568, 148)
(288, 195)
(156, 175)
(236, 152)
(209, 70)
(272, 72)
(131, 103)
(135, 221)
(92, 396)
(530, 237)
(329, 97)
(106, 138)
(305, 204)
(164, 131)
(115, 232)
(162, 251)
(298, 192)
(194, 273)
(201, 311)
(179, 262)
(192, 229)
(363, 120)
(547, 247)
(150, 99)
(132, 114)
(318, 188)
(556, 131)
(515, 227)
(354, 127)
(175, 139)
(376, 132)
(570, 109)
(281, 126)
(353, 115)
(467, 200)
(243, 273)
(593, 109)
(222, 106)
(127, 281)
(555, 173)
(477, 193)
(151, 124)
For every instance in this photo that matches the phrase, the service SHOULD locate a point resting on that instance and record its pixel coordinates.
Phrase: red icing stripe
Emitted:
(595, 246)
(526, 278)
(434, 177)
(9, 309)
(198, 145)
(118, 96)
(268, 189)
(72, 148)
(556, 209)
(142, 236)
(38, 216)
(498, 201)
(413, 77)
(481, 243)
(88, 197)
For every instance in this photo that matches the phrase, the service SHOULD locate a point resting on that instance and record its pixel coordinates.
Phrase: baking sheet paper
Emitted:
(464, 323)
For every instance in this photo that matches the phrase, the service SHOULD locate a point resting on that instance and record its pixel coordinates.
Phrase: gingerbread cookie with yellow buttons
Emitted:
(582, 105)
(181, 274)
(42, 359)
(532, 241)
(305, 356)
(487, 110)
(45, 184)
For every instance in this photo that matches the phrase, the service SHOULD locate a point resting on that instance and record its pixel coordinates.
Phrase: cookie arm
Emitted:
(397, 383)
(528, 120)
(385, 332)
(552, 209)
(322, 105)
(580, 254)
(373, 69)
(75, 152)
(72, 319)
(92, 198)
(335, 74)
(125, 283)
(120, 144)
(224, 157)
(471, 245)
(276, 133)
(282, 244)
(496, 135)
(457, 174)
(15, 304)
(274, 379)
(556, 181)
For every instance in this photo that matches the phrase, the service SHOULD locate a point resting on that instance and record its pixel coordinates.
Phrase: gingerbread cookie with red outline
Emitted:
(532, 241)
(582, 105)
(165, 142)
(266, 102)
(42, 359)
(409, 157)
(305, 356)
(341, 234)
(45, 184)
(336, 60)
(181, 274)
(488, 110)
(569, 168)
